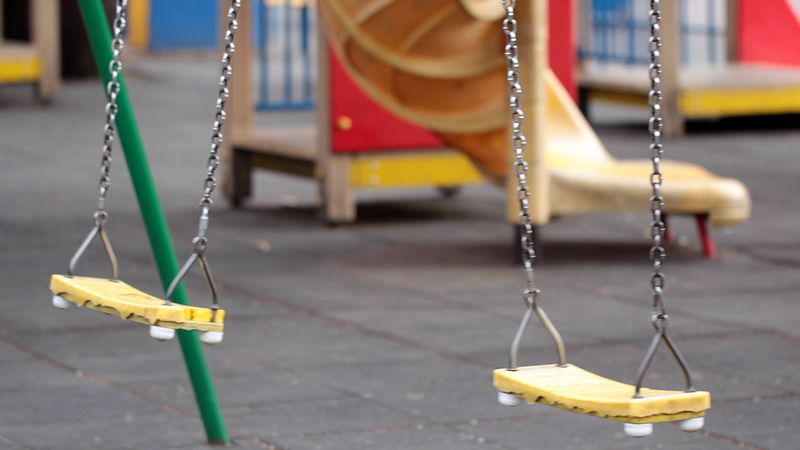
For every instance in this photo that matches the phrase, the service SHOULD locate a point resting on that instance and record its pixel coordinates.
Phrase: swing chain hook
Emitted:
(530, 297)
(520, 165)
(99, 231)
(200, 241)
(659, 317)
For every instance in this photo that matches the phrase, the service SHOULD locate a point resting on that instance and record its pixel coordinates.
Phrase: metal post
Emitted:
(94, 19)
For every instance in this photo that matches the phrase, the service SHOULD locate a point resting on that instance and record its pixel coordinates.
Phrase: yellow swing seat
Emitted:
(578, 390)
(120, 299)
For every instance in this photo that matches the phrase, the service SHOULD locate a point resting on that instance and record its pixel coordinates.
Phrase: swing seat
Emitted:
(578, 390)
(119, 299)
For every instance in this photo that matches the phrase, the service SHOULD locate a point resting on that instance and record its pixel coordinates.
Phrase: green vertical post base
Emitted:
(95, 21)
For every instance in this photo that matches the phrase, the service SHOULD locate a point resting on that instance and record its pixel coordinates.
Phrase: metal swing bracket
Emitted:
(98, 231)
(660, 320)
(199, 246)
(532, 306)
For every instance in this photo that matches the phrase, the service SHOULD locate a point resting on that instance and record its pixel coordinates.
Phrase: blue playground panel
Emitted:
(614, 31)
(618, 29)
(183, 24)
(187, 25)
(286, 45)
(286, 48)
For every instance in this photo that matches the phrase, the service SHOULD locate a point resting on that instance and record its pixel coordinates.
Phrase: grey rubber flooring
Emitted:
(383, 334)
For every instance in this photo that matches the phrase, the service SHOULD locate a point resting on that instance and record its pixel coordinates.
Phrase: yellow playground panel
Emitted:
(442, 168)
(19, 63)
(710, 90)
(36, 62)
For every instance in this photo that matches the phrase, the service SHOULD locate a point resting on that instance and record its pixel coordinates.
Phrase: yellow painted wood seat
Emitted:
(578, 390)
(120, 299)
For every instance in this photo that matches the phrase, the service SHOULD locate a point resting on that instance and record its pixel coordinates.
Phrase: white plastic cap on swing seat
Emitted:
(161, 333)
(211, 337)
(693, 424)
(60, 303)
(638, 429)
(507, 399)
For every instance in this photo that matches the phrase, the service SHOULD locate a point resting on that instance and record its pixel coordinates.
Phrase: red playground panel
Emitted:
(769, 32)
(360, 124)
(562, 43)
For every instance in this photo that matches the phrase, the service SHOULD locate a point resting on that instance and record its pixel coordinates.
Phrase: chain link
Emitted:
(520, 165)
(120, 24)
(217, 138)
(519, 143)
(656, 127)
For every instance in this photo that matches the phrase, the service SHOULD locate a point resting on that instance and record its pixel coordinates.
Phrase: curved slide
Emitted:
(439, 64)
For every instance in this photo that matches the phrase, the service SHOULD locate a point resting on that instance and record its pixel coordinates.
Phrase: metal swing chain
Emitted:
(519, 143)
(200, 241)
(659, 316)
(113, 88)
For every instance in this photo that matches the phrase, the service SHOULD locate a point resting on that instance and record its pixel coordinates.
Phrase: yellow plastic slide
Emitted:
(439, 64)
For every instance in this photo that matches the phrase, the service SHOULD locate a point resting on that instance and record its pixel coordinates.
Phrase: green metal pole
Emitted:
(94, 19)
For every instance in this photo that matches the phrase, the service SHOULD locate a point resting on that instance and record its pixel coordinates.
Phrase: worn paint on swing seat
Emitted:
(578, 390)
(120, 299)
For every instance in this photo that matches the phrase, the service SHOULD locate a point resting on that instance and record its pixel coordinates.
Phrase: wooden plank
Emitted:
(732, 30)
(674, 125)
(240, 103)
(241, 183)
(294, 142)
(46, 29)
(340, 202)
(741, 76)
(633, 80)
(720, 91)
(338, 194)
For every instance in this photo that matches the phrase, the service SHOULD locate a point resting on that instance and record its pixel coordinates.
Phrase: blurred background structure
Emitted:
(733, 58)
(381, 332)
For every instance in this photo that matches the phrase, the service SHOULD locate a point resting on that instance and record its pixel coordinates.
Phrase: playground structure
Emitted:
(562, 146)
(376, 90)
(36, 62)
(727, 58)
(355, 144)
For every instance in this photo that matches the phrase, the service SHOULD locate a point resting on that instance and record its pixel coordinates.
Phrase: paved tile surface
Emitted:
(379, 335)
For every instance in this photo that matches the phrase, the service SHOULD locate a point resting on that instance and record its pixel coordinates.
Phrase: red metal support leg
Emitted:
(709, 249)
